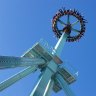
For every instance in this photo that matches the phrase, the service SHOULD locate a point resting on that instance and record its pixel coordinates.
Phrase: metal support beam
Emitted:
(60, 44)
(13, 62)
(17, 77)
(64, 85)
(43, 85)
(50, 88)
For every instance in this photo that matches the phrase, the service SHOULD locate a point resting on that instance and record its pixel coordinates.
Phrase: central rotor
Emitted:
(67, 29)
(69, 21)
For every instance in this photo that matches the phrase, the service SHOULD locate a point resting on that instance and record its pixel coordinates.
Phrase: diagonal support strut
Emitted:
(13, 62)
(17, 77)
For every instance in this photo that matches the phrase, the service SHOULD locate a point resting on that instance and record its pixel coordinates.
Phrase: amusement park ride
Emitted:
(53, 75)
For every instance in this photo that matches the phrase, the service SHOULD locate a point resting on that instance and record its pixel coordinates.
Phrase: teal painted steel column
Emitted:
(13, 62)
(50, 88)
(60, 44)
(43, 85)
(13, 79)
(64, 85)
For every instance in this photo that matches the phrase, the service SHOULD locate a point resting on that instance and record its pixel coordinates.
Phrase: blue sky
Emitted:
(24, 22)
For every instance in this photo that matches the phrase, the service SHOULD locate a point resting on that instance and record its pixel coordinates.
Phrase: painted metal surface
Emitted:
(11, 80)
(64, 85)
(45, 82)
(17, 77)
(13, 62)
(60, 44)
(43, 85)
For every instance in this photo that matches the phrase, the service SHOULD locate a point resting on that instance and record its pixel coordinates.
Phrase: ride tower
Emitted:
(53, 75)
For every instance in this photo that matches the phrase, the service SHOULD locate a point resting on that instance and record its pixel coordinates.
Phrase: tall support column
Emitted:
(44, 84)
(60, 44)
(50, 88)
(64, 85)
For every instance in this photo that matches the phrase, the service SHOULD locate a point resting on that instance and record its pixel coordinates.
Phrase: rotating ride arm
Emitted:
(74, 31)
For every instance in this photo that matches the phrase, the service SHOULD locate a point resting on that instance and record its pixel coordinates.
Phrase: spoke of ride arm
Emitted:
(17, 77)
(61, 22)
(75, 23)
(68, 19)
(75, 30)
